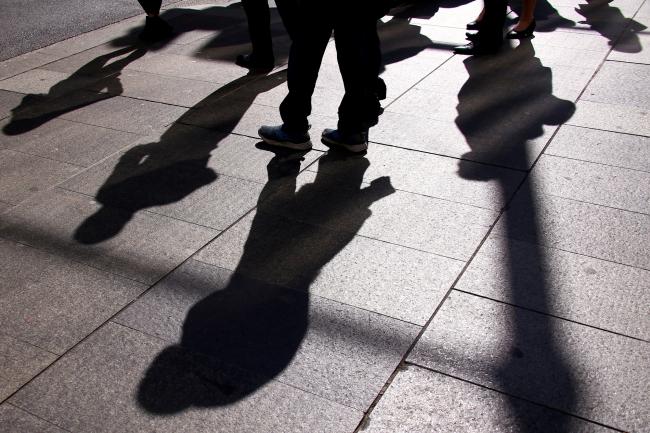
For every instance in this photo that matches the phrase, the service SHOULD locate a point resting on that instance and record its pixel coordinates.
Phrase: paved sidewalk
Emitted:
(484, 268)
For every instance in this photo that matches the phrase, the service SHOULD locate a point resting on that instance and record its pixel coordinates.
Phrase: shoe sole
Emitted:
(287, 144)
(354, 148)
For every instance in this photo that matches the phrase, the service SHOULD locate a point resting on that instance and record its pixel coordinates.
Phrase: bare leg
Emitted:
(527, 15)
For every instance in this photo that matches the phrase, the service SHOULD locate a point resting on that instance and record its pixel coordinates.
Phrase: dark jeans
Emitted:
(151, 7)
(358, 55)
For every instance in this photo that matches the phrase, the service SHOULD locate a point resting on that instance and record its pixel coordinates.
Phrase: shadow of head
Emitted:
(504, 104)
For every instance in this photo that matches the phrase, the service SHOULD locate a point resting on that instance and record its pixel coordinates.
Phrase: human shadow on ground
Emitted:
(610, 22)
(65, 96)
(502, 106)
(166, 171)
(249, 329)
(99, 79)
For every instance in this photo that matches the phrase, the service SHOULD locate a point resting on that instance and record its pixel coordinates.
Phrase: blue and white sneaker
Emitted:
(278, 136)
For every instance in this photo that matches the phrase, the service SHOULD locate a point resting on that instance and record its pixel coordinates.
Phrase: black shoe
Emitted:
(254, 64)
(476, 48)
(352, 142)
(471, 36)
(278, 136)
(474, 25)
(522, 34)
(156, 29)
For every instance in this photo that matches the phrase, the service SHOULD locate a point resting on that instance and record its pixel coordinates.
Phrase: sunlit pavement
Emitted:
(484, 268)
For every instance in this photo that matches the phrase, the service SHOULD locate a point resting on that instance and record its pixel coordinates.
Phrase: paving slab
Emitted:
(331, 350)
(103, 385)
(8, 100)
(434, 176)
(70, 142)
(141, 246)
(20, 363)
(622, 84)
(602, 147)
(55, 320)
(420, 400)
(580, 370)
(575, 287)
(610, 117)
(13, 419)
(353, 270)
(593, 183)
(584, 228)
(17, 179)
(415, 221)
(23, 63)
(50, 83)
(126, 114)
(633, 45)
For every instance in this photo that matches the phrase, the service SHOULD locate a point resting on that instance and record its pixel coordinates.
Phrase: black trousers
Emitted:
(258, 15)
(491, 27)
(151, 7)
(358, 56)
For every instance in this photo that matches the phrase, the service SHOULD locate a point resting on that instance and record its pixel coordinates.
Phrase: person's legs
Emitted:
(259, 29)
(151, 7)
(527, 16)
(307, 49)
(489, 38)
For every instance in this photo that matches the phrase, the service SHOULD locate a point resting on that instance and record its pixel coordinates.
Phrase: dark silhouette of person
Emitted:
(166, 171)
(489, 38)
(359, 59)
(610, 22)
(246, 333)
(498, 114)
(36, 109)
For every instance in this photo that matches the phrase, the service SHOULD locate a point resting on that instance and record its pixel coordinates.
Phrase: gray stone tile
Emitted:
(415, 221)
(66, 141)
(13, 419)
(4, 207)
(623, 84)
(584, 228)
(56, 319)
(334, 351)
(22, 175)
(389, 279)
(41, 81)
(420, 400)
(8, 100)
(583, 371)
(119, 380)
(126, 114)
(22, 63)
(20, 363)
(593, 183)
(576, 40)
(188, 67)
(159, 88)
(609, 117)
(141, 246)
(632, 47)
(99, 61)
(603, 147)
(436, 176)
(575, 287)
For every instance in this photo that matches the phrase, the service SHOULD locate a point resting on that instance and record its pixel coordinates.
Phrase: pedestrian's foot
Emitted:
(278, 136)
(356, 142)
(476, 48)
(255, 64)
(156, 29)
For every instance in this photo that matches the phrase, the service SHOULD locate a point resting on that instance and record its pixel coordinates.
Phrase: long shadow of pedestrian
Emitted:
(36, 109)
(164, 172)
(246, 333)
(501, 107)
(610, 22)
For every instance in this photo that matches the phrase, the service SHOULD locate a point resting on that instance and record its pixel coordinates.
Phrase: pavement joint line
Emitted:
(83, 167)
(629, 62)
(424, 367)
(28, 342)
(609, 130)
(546, 313)
(489, 164)
(594, 204)
(571, 158)
(36, 416)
